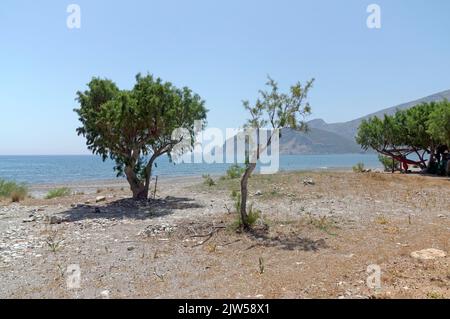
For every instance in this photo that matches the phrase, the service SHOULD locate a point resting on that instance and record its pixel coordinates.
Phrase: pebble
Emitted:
(53, 219)
(105, 294)
(29, 220)
(100, 199)
(428, 254)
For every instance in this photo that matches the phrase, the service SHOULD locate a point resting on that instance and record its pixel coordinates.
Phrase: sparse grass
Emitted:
(435, 295)
(359, 168)
(323, 223)
(377, 177)
(235, 171)
(211, 248)
(381, 220)
(157, 274)
(53, 244)
(208, 181)
(261, 266)
(16, 192)
(58, 192)
(252, 217)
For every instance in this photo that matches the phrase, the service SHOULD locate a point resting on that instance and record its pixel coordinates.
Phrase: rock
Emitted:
(29, 220)
(428, 254)
(53, 220)
(105, 294)
(100, 199)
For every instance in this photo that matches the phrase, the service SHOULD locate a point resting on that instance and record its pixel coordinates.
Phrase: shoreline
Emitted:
(39, 190)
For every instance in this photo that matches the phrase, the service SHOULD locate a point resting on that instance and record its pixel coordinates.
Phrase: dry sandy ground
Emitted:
(313, 241)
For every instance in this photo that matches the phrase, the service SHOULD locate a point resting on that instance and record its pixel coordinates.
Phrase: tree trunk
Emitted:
(148, 174)
(431, 160)
(136, 186)
(141, 188)
(244, 194)
(244, 183)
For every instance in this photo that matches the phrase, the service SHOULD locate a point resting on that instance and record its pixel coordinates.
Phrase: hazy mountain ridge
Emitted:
(336, 138)
(316, 141)
(349, 129)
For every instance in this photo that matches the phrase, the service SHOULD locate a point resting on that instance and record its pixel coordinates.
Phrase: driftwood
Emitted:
(208, 236)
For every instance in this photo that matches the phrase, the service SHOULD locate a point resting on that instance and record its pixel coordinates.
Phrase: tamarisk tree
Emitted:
(274, 111)
(417, 131)
(439, 122)
(134, 127)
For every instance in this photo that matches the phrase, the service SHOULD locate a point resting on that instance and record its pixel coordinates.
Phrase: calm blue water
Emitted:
(59, 169)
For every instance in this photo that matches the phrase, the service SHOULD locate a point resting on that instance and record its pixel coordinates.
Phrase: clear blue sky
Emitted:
(222, 49)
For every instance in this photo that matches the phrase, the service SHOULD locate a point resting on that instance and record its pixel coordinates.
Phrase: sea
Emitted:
(85, 168)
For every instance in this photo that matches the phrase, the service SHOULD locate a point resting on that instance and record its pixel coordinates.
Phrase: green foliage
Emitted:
(359, 168)
(388, 163)
(235, 171)
(280, 110)
(253, 215)
(208, 181)
(418, 130)
(134, 127)
(16, 192)
(439, 122)
(58, 192)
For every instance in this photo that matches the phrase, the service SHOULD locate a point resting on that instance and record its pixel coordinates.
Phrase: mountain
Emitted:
(336, 138)
(316, 141)
(349, 129)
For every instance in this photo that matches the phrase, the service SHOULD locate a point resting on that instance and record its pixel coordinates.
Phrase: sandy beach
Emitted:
(317, 235)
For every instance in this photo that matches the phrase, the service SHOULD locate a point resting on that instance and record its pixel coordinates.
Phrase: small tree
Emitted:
(273, 110)
(134, 127)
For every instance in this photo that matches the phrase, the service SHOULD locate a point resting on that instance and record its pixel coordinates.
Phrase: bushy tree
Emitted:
(134, 127)
(273, 110)
(418, 130)
(439, 122)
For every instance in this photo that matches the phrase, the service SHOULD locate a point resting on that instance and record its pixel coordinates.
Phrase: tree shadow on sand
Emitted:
(129, 209)
(286, 241)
